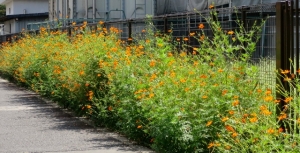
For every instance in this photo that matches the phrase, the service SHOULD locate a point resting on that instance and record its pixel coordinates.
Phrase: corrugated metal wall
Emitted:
(100, 9)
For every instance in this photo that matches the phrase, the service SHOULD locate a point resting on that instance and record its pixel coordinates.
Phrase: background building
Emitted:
(21, 12)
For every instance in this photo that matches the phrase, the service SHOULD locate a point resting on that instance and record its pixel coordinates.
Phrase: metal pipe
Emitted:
(94, 10)
(86, 9)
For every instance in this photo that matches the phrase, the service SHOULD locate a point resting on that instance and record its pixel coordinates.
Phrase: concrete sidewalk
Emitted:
(29, 124)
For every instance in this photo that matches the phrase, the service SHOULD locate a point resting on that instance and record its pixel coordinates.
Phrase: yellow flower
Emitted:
(204, 97)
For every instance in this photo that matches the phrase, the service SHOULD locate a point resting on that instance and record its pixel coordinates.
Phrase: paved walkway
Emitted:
(29, 124)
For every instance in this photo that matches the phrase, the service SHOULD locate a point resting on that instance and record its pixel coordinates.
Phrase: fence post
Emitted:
(165, 25)
(279, 48)
(282, 57)
(129, 31)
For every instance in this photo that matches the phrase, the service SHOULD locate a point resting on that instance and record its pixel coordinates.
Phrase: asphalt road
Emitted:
(30, 124)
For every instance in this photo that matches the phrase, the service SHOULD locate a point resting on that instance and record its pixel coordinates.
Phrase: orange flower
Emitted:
(109, 108)
(280, 130)
(288, 99)
(287, 79)
(185, 39)
(268, 92)
(101, 22)
(151, 95)
(177, 39)
(192, 34)
(88, 106)
(201, 26)
(234, 134)
(282, 116)
(224, 92)
(285, 71)
(209, 123)
(231, 112)
(230, 32)
(270, 131)
(143, 31)
(210, 145)
(139, 127)
(203, 76)
(152, 63)
(202, 37)
(277, 101)
(227, 147)
(268, 98)
(229, 128)
(235, 103)
(224, 119)
(253, 119)
(204, 97)
(211, 6)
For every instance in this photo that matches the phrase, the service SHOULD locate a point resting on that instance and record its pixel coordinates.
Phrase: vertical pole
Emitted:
(58, 11)
(94, 10)
(86, 9)
(280, 51)
(297, 35)
(287, 36)
(291, 34)
(129, 31)
(165, 25)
